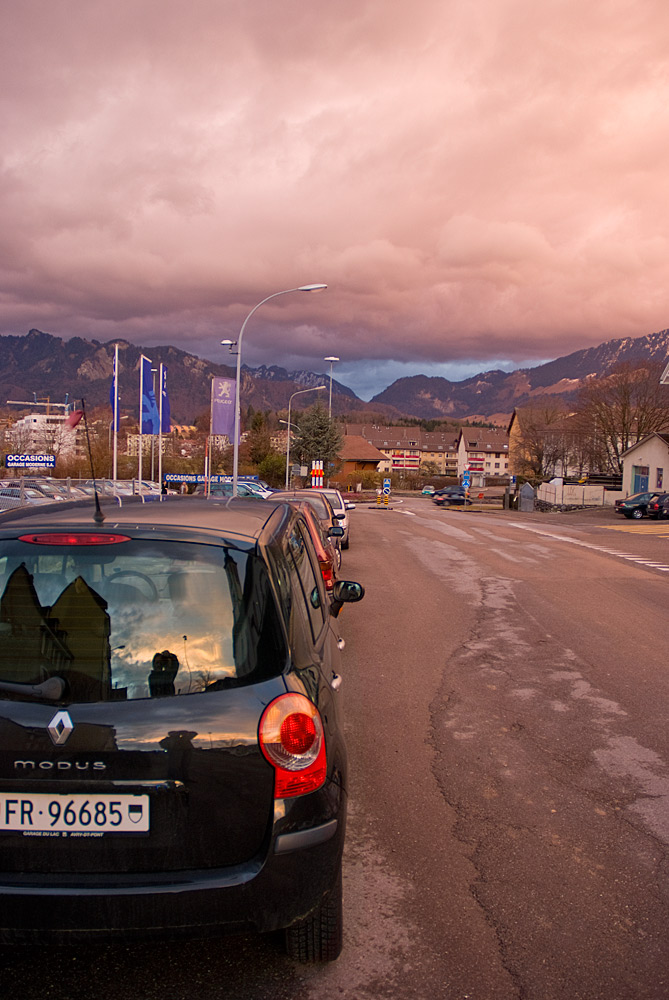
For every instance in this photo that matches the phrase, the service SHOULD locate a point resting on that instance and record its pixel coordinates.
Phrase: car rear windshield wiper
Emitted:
(52, 688)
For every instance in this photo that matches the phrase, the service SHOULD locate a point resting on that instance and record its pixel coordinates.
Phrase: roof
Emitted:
(357, 449)
(403, 437)
(227, 517)
(662, 435)
(484, 439)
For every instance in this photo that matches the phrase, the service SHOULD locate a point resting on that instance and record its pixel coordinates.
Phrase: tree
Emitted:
(273, 469)
(539, 447)
(258, 439)
(620, 409)
(318, 438)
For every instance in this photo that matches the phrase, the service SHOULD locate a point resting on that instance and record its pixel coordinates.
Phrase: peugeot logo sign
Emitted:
(59, 728)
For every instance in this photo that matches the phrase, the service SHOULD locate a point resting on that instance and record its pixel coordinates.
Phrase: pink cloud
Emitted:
(473, 181)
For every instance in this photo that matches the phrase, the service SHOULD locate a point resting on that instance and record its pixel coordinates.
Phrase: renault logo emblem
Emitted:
(59, 728)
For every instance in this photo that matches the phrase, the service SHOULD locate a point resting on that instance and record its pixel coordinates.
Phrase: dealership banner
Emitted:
(223, 398)
(30, 461)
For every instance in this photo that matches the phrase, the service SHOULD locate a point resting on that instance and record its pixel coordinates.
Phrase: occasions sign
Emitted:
(30, 461)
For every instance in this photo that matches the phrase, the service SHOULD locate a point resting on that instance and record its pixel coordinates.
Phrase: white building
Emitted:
(646, 465)
(47, 434)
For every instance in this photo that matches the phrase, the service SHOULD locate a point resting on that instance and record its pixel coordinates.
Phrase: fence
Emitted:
(557, 494)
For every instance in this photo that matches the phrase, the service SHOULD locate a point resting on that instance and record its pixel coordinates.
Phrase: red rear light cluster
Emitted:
(291, 739)
(80, 538)
(328, 575)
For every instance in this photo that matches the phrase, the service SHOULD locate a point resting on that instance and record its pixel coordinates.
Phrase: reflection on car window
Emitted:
(307, 580)
(137, 619)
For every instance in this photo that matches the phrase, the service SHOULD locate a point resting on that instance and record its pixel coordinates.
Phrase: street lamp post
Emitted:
(299, 391)
(332, 361)
(235, 443)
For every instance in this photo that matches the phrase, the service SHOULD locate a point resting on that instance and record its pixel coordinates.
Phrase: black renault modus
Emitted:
(171, 751)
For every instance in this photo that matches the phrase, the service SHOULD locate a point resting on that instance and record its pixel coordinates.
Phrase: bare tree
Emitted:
(540, 445)
(620, 409)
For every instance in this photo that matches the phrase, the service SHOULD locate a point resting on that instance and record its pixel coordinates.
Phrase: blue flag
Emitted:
(113, 394)
(223, 401)
(167, 424)
(150, 420)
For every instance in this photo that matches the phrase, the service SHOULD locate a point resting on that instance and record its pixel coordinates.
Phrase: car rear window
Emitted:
(135, 619)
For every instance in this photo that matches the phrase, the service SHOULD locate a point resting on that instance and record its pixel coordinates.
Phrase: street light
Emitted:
(299, 391)
(332, 361)
(235, 444)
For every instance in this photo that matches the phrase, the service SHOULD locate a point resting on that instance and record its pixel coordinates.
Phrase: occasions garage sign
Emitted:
(30, 461)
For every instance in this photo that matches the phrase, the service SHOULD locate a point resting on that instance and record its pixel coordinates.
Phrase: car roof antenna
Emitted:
(72, 422)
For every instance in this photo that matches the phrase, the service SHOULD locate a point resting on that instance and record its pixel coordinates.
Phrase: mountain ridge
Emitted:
(42, 365)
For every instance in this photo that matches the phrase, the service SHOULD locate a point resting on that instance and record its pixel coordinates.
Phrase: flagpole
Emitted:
(141, 442)
(115, 462)
(160, 429)
(207, 461)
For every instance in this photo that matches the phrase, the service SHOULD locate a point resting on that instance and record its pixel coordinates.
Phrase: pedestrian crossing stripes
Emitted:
(628, 557)
(662, 530)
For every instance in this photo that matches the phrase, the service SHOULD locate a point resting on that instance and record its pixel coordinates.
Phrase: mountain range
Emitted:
(493, 395)
(43, 367)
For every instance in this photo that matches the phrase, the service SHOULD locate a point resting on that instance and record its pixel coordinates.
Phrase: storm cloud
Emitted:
(475, 182)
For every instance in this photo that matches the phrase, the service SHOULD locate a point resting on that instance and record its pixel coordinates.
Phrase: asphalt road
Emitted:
(506, 699)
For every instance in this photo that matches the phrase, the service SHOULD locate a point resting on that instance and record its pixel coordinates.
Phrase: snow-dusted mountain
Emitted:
(494, 393)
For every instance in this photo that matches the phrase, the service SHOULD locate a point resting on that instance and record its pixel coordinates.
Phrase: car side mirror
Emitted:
(348, 592)
(336, 531)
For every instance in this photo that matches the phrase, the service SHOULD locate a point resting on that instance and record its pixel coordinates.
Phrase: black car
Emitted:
(635, 506)
(658, 507)
(450, 495)
(171, 751)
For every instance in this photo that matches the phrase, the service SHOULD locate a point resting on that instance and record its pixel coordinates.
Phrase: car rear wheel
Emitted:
(319, 937)
(344, 543)
(637, 513)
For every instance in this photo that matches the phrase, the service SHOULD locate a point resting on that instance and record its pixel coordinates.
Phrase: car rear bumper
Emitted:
(265, 894)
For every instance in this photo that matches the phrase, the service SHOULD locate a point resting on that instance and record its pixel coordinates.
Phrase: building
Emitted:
(357, 456)
(646, 465)
(405, 449)
(47, 434)
(484, 451)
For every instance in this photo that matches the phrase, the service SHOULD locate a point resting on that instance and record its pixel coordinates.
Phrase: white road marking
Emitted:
(639, 560)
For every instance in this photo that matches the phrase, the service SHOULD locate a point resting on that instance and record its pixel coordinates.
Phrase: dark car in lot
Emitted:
(658, 506)
(171, 749)
(636, 505)
(450, 495)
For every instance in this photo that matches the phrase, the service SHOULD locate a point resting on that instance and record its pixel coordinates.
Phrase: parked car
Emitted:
(172, 747)
(658, 506)
(44, 487)
(329, 558)
(428, 491)
(224, 490)
(341, 508)
(324, 513)
(635, 506)
(256, 487)
(450, 495)
(12, 496)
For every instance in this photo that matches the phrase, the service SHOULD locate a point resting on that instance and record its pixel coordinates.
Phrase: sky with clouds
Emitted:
(480, 184)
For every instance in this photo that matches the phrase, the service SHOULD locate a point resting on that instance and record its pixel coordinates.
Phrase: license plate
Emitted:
(82, 815)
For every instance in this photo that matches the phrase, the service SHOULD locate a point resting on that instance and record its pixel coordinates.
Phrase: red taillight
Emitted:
(327, 574)
(291, 739)
(81, 538)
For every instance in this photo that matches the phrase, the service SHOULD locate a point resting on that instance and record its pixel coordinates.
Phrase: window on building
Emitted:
(659, 478)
